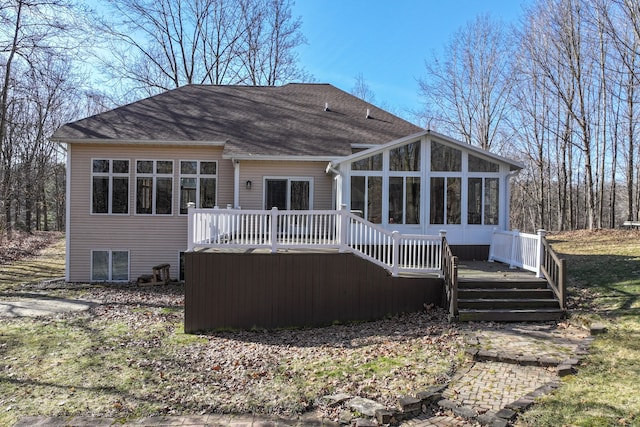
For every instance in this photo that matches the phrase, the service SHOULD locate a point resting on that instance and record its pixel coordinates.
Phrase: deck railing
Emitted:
(342, 230)
(554, 270)
(516, 249)
(450, 275)
(531, 252)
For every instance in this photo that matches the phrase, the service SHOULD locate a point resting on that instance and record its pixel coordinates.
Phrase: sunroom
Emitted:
(427, 183)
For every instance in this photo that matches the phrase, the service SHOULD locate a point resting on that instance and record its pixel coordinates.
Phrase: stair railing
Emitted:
(554, 270)
(450, 275)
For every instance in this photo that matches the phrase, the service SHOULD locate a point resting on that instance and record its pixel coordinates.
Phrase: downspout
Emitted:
(236, 183)
(337, 187)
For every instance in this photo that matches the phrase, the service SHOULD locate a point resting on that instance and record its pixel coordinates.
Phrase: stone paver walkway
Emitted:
(511, 365)
(491, 386)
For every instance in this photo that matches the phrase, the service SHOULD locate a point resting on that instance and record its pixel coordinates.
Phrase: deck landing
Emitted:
(492, 271)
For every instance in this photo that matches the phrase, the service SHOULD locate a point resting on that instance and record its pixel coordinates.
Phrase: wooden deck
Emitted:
(492, 291)
(497, 271)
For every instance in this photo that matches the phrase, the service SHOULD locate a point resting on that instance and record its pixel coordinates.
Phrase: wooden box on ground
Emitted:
(262, 290)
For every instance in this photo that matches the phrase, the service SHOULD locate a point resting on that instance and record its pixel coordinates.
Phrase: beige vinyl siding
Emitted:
(150, 239)
(256, 171)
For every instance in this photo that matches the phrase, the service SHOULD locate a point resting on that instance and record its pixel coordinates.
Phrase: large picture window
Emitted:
(109, 266)
(154, 187)
(109, 186)
(198, 181)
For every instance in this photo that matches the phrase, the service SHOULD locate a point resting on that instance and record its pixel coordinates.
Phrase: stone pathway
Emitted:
(511, 365)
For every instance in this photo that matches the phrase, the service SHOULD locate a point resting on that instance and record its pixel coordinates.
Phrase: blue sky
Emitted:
(386, 41)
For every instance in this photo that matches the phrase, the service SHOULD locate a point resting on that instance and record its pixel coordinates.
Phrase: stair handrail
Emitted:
(450, 275)
(554, 270)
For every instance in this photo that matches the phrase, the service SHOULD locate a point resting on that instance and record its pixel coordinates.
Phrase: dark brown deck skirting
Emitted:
(262, 290)
(471, 252)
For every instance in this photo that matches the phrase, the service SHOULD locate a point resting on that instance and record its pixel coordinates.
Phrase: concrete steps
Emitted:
(507, 301)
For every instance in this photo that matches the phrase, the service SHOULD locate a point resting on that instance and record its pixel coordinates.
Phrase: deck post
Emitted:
(344, 228)
(540, 255)
(190, 226)
(492, 245)
(274, 230)
(443, 236)
(514, 237)
(395, 266)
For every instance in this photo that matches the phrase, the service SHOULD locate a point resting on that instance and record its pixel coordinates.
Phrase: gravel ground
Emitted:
(267, 372)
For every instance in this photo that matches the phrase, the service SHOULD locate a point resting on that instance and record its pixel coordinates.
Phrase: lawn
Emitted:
(128, 357)
(32, 258)
(604, 274)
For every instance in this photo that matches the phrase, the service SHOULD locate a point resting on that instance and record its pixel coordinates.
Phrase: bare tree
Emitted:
(157, 45)
(472, 86)
(362, 90)
(30, 42)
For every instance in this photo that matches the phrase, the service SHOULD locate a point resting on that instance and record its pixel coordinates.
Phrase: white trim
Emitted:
(111, 175)
(110, 265)
(67, 214)
(442, 138)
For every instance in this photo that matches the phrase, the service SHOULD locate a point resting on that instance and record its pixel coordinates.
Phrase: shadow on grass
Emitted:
(606, 279)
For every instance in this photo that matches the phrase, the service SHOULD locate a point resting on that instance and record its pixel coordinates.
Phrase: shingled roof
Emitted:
(315, 120)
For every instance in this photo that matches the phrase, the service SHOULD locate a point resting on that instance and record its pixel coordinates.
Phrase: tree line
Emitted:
(558, 91)
(55, 53)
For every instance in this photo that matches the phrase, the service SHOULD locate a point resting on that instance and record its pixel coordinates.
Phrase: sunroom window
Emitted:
(476, 164)
(483, 203)
(445, 158)
(372, 163)
(405, 158)
(366, 197)
(404, 200)
(445, 200)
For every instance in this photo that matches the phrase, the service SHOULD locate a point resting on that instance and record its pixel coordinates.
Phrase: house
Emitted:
(292, 168)
(132, 171)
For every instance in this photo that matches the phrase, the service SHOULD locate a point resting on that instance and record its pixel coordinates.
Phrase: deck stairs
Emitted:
(507, 300)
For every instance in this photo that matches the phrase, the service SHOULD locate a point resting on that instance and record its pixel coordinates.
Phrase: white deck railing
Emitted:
(518, 249)
(342, 230)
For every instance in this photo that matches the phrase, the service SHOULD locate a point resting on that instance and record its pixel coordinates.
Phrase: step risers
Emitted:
(505, 294)
(528, 300)
(505, 284)
(507, 303)
(535, 315)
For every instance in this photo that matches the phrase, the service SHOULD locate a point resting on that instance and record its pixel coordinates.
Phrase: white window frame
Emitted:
(154, 175)
(288, 179)
(110, 265)
(483, 176)
(197, 176)
(111, 175)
